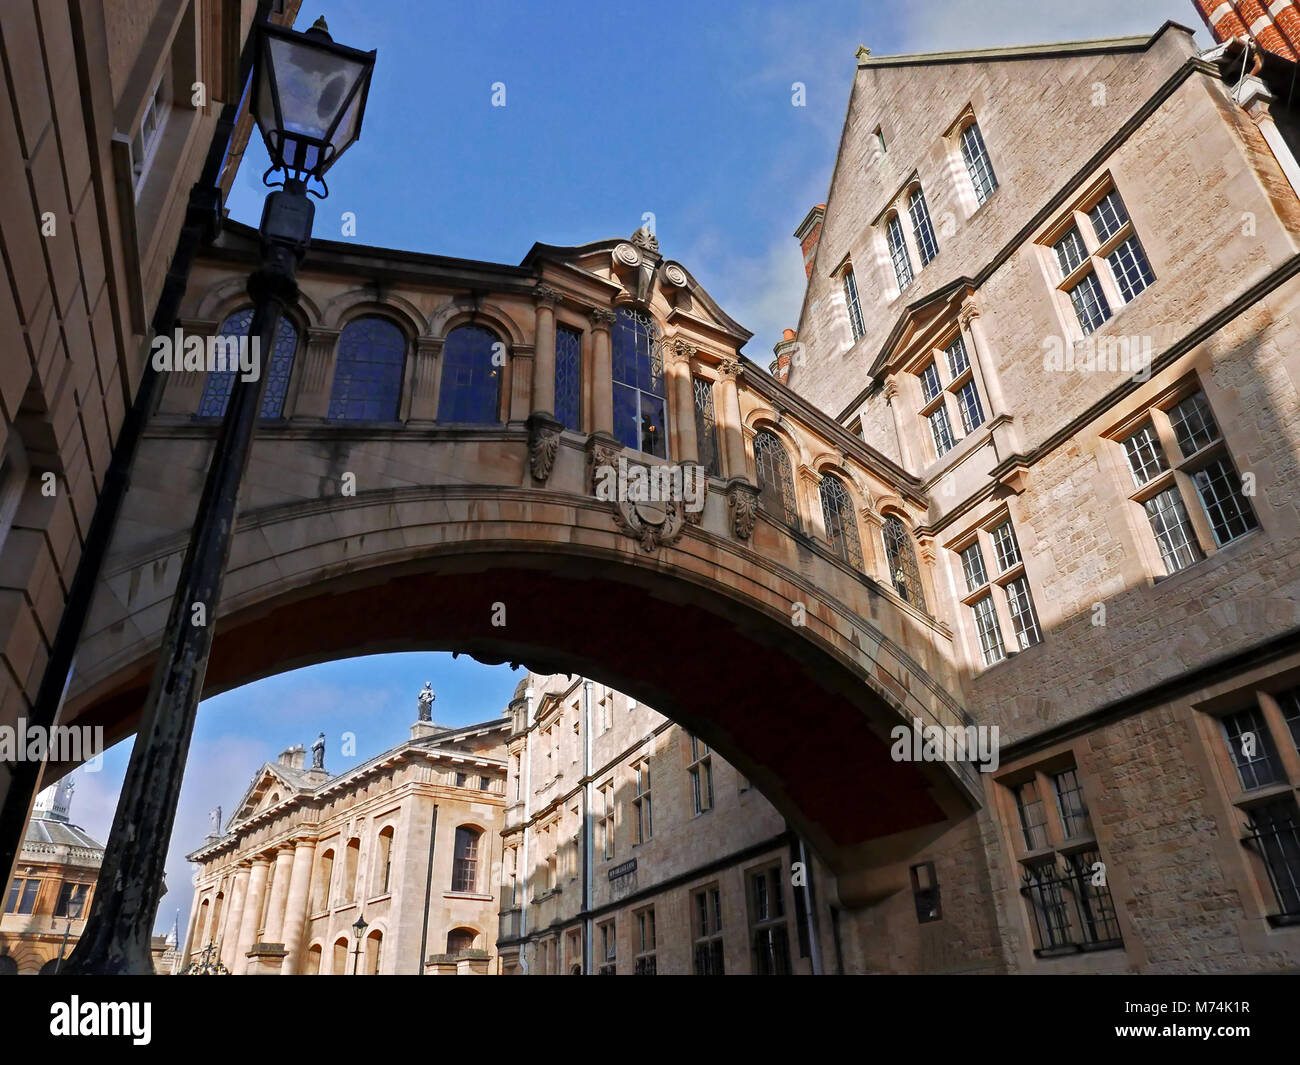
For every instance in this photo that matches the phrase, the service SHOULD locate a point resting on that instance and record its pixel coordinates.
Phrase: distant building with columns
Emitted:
(409, 841)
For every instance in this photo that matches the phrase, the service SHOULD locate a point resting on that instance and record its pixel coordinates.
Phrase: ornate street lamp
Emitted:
(358, 930)
(308, 98)
(207, 963)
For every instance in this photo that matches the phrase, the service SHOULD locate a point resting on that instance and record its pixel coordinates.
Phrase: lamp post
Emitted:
(358, 930)
(207, 963)
(309, 96)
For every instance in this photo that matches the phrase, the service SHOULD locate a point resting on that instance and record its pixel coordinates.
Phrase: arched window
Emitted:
(384, 862)
(220, 383)
(464, 869)
(312, 966)
(324, 874)
(640, 407)
(204, 932)
(374, 949)
(841, 524)
(903, 570)
(459, 939)
(472, 365)
(775, 482)
(368, 371)
(568, 376)
(340, 957)
(351, 858)
(216, 914)
(898, 252)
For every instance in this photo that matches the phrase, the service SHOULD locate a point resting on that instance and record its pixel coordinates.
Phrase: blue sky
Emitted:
(684, 111)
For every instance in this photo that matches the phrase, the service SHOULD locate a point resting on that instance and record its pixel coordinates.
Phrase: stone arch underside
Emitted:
(700, 630)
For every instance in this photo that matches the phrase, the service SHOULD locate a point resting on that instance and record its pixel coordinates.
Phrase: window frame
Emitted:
(990, 542)
(944, 381)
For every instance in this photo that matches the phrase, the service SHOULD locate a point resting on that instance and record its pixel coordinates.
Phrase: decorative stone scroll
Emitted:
(742, 497)
(543, 444)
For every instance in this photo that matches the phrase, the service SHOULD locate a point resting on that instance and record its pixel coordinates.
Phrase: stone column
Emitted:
(892, 396)
(295, 909)
(182, 389)
(252, 913)
(311, 398)
(602, 375)
(544, 351)
(733, 436)
(981, 365)
(425, 379)
(681, 403)
(279, 894)
(234, 920)
(809, 483)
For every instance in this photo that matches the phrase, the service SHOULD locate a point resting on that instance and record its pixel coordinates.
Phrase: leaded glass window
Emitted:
(640, 406)
(472, 367)
(841, 525)
(1145, 457)
(904, 573)
(1219, 487)
(1194, 424)
(464, 866)
(978, 164)
(990, 634)
(568, 376)
(706, 427)
(922, 229)
(220, 384)
(853, 305)
(1132, 271)
(1089, 303)
(1172, 529)
(898, 252)
(775, 480)
(1070, 252)
(1250, 743)
(368, 371)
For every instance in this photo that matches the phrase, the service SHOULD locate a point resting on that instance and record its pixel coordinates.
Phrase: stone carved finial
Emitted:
(644, 238)
(543, 444)
(742, 497)
(546, 295)
(602, 318)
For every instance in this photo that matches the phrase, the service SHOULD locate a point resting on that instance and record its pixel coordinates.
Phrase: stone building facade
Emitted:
(408, 841)
(630, 847)
(49, 896)
(1057, 285)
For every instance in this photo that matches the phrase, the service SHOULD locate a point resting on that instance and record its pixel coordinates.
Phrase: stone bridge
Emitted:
(428, 475)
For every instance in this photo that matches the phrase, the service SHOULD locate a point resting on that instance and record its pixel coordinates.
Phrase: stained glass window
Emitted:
(904, 573)
(568, 376)
(706, 427)
(219, 384)
(472, 366)
(841, 525)
(775, 482)
(640, 406)
(368, 371)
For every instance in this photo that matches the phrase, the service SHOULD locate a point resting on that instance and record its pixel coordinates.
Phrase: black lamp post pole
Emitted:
(117, 933)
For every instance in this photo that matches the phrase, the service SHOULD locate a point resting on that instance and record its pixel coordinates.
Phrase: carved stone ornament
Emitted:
(543, 444)
(602, 318)
(742, 497)
(644, 238)
(654, 524)
(729, 368)
(627, 254)
(546, 295)
(675, 275)
(600, 453)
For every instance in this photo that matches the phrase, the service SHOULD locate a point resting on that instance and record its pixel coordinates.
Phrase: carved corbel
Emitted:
(543, 444)
(742, 498)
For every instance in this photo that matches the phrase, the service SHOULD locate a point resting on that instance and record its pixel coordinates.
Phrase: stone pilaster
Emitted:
(901, 428)
(543, 401)
(681, 403)
(295, 909)
(733, 436)
(311, 398)
(252, 914)
(182, 389)
(602, 375)
(425, 376)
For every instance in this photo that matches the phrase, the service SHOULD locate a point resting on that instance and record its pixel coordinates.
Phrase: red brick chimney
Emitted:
(808, 234)
(1274, 26)
(784, 350)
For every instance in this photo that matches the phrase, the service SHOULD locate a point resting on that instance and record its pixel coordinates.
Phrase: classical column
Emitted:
(544, 351)
(182, 389)
(424, 379)
(235, 915)
(733, 442)
(602, 376)
(279, 893)
(981, 363)
(311, 398)
(252, 912)
(681, 414)
(295, 909)
(892, 396)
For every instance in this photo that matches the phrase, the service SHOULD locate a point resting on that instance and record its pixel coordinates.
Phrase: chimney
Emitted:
(293, 757)
(808, 234)
(784, 349)
(1275, 26)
